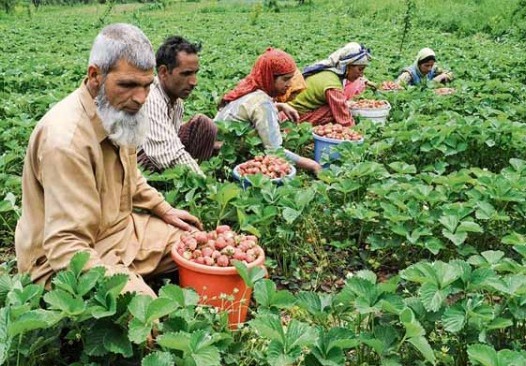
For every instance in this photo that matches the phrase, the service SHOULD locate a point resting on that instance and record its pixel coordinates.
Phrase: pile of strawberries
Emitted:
(337, 131)
(390, 85)
(271, 166)
(368, 104)
(219, 247)
(444, 91)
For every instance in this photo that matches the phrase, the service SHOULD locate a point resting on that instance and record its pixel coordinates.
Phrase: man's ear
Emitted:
(95, 79)
(162, 71)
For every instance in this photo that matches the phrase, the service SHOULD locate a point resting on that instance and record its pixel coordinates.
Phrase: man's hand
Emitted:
(181, 219)
(289, 111)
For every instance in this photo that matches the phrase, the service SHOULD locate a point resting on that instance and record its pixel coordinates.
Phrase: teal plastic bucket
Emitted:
(324, 146)
(245, 182)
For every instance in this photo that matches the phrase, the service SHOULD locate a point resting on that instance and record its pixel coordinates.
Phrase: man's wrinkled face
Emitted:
(181, 81)
(121, 95)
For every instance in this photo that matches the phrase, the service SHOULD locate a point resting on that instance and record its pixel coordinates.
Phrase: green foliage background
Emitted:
(434, 200)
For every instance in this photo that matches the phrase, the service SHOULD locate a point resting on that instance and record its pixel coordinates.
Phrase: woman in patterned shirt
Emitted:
(324, 100)
(252, 100)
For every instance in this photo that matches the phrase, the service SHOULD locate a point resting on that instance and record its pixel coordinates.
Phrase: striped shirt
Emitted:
(163, 146)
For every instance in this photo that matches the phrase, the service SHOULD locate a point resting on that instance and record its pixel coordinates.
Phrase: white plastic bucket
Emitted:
(378, 115)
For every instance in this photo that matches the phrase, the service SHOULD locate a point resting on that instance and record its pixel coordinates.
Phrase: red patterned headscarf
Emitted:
(272, 63)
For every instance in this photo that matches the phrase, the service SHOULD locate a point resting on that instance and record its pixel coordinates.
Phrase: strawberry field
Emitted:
(410, 249)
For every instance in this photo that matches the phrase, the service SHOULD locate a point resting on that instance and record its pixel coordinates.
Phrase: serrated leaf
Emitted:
(5, 340)
(139, 305)
(276, 355)
(483, 354)
(34, 319)
(178, 341)
(268, 327)
(300, 335)
(94, 340)
(493, 256)
(450, 222)
(499, 323)
(78, 262)
(138, 332)
(290, 215)
(88, 280)
(116, 341)
(160, 307)
(457, 238)
(63, 301)
(414, 329)
(158, 359)
(184, 297)
(469, 226)
(432, 297)
(514, 239)
(454, 318)
(421, 344)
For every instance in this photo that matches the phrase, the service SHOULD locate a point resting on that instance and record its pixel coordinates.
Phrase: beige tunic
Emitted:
(78, 193)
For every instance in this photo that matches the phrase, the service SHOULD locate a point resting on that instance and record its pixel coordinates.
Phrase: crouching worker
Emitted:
(169, 141)
(424, 69)
(80, 182)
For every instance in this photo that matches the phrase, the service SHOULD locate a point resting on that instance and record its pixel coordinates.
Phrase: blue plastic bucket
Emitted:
(323, 147)
(245, 182)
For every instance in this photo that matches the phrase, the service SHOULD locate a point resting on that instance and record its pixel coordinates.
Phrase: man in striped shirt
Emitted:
(170, 141)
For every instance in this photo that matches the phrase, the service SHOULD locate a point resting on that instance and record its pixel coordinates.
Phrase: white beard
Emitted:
(123, 128)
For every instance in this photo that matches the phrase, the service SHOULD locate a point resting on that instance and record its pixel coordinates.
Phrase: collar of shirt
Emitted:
(171, 106)
(88, 103)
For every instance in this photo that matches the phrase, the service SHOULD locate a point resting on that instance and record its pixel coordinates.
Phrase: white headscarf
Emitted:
(352, 53)
(424, 53)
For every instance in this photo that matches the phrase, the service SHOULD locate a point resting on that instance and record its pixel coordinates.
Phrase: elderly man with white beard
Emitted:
(81, 186)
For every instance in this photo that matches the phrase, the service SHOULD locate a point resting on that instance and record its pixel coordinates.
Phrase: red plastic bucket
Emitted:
(221, 287)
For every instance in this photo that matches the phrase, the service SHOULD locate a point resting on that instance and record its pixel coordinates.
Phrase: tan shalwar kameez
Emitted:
(78, 194)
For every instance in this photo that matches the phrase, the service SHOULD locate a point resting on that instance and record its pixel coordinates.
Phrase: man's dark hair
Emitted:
(167, 53)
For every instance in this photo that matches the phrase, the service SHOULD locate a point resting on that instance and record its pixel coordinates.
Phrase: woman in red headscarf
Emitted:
(252, 100)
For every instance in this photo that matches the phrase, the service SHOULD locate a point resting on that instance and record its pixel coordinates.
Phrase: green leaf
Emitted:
(139, 305)
(483, 354)
(450, 222)
(493, 256)
(227, 192)
(277, 355)
(454, 318)
(268, 327)
(183, 297)
(432, 297)
(116, 341)
(63, 301)
(94, 340)
(414, 329)
(160, 307)
(402, 167)
(178, 341)
(300, 335)
(158, 359)
(457, 238)
(266, 295)
(290, 215)
(5, 340)
(138, 331)
(34, 319)
(421, 344)
(514, 239)
(78, 262)
(469, 226)
(89, 280)
(499, 323)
